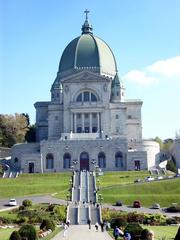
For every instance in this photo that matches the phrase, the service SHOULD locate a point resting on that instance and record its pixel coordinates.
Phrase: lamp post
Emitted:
(93, 162)
(74, 163)
(70, 184)
(67, 198)
(98, 184)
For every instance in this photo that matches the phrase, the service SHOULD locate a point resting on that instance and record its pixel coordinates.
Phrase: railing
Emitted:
(67, 214)
(87, 188)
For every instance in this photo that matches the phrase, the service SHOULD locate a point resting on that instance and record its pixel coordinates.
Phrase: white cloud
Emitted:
(163, 69)
(139, 77)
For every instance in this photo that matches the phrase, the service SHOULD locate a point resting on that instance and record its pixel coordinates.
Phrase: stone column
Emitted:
(98, 129)
(75, 123)
(90, 122)
(82, 117)
(71, 121)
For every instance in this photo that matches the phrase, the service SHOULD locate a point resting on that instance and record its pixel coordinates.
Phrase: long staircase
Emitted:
(84, 199)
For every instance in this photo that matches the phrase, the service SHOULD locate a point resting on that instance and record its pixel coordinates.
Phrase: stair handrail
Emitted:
(100, 213)
(80, 187)
(95, 186)
(74, 178)
(67, 214)
(89, 212)
(87, 178)
(78, 214)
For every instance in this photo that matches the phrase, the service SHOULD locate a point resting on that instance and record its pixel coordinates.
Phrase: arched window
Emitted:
(66, 160)
(93, 98)
(101, 160)
(49, 161)
(79, 98)
(119, 160)
(86, 96)
(16, 160)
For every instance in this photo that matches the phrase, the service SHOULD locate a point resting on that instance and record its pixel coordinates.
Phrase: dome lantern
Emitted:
(86, 27)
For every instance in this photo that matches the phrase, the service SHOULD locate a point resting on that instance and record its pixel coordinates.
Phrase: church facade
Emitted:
(88, 123)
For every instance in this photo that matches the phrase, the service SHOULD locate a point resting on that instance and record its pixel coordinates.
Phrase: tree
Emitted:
(31, 133)
(12, 129)
(158, 140)
(167, 144)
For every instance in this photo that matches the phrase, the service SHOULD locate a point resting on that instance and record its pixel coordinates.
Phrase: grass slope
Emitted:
(160, 232)
(120, 186)
(35, 184)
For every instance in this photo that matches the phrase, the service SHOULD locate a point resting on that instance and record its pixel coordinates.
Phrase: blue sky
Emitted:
(143, 34)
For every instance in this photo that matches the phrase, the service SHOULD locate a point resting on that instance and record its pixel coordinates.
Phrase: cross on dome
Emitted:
(86, 12)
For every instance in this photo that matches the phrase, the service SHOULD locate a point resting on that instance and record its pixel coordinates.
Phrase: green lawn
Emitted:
(120, 186)
(35, 184)
(164, 231)
(5, 233)
(161, 231)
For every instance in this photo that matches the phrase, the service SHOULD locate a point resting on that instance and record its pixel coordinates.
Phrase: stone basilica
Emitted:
(88, 123)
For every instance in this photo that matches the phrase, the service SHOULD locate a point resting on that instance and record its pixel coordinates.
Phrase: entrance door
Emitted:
(137, 165)
(31, 167)
(84, 161)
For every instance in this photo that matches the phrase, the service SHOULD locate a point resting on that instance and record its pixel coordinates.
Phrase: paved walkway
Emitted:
(82, 232)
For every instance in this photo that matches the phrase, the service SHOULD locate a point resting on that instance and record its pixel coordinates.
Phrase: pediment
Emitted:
(85, 76)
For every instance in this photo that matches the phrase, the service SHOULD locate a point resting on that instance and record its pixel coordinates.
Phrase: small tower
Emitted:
(117, 91)
(56, 91)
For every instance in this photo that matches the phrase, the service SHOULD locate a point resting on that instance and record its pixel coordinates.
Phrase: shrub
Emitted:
(27, 203)
(134, 229)
(15, 236)
(5, 220)
(28, 231)
(60, 211)
(119, 222)
(144, 234)
(47, 224)
(21, 208)
(171, 221)
(135, 217)
(51, 207)
(22, 220)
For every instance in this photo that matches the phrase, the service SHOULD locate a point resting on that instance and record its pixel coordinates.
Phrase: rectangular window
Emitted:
(86, 115)
(86, 129)
(79, 129)
(94, 129)
(79, 115)
(129, 116)
(117, 116)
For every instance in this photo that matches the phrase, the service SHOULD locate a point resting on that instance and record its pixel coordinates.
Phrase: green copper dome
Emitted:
(88, 52)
